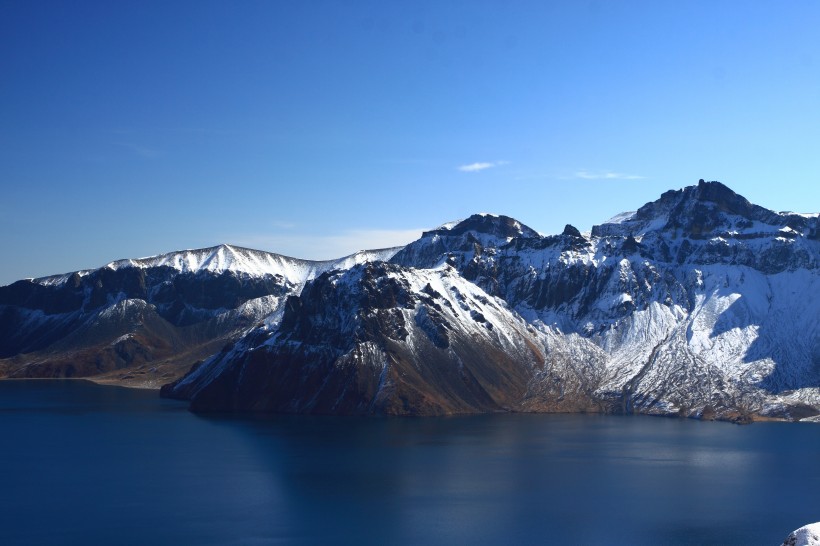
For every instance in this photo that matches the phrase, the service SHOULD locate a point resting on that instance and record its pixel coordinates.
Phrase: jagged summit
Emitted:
(699, 210)
(469, 236)
(706, 210)
(571, 231)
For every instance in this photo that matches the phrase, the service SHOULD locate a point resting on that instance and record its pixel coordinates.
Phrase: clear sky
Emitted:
(315, 129)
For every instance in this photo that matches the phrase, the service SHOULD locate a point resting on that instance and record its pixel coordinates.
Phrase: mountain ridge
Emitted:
(191, 261)
(698, 304)
(696, 298)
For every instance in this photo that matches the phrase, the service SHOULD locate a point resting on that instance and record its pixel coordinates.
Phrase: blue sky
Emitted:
(315, 129)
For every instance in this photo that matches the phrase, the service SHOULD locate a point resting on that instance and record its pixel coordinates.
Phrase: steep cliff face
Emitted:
(377, 338)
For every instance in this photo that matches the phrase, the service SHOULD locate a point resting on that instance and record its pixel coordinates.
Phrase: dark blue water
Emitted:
(84, 464)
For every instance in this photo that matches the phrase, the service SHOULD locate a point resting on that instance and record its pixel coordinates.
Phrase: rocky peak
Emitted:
(701, 209)
(571, 231)
(346, 303)
(705, 210)
(487, 224)
(478, 234)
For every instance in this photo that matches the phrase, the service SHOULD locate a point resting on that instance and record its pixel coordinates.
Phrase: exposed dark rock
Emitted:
(571, 231)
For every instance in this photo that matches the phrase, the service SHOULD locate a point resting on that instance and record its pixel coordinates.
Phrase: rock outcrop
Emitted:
(808, 535)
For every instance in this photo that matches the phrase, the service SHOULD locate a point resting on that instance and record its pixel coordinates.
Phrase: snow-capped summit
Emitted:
(237, 260)
(214, 259)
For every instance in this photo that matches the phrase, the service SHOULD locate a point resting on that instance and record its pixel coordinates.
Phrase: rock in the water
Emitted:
(808, 535)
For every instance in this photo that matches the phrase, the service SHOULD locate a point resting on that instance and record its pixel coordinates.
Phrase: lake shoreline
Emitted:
(111, 382)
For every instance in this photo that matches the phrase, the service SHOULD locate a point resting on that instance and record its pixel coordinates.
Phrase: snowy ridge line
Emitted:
(741, 221)
(220, 258)
(53, 280)
(621, 217)
(803, 214)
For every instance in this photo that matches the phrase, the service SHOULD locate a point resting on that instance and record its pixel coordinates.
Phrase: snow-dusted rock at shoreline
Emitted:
(808, 535)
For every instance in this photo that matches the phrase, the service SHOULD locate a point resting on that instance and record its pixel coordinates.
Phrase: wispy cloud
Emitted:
(480, 166)
(142, 151)
(325, 247)
(606, 175)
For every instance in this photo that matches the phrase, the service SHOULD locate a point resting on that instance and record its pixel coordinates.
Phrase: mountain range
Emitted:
(698, 304)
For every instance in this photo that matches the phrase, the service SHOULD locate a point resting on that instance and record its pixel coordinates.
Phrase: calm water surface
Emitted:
(84, 464)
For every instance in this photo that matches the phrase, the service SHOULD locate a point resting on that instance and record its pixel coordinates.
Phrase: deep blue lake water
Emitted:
(85, 464)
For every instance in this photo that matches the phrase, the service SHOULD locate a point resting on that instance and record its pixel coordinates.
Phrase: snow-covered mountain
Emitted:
(145, 321)
(698, 304)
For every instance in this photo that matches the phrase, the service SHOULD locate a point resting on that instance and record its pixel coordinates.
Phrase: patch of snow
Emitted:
(803, 214)
(53, 280)
(126, 337)
(622, 217)
(808, 535)
(449, 225)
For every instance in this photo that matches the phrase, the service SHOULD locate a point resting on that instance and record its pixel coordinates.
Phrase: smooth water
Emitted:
(85, 464)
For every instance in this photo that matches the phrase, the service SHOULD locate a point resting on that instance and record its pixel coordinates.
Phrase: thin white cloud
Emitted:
(142, 151)
(475, 167)
(327, 247)
(606, 175)
(480, 166)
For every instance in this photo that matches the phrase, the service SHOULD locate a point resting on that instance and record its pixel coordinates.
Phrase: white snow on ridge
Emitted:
(53, 280)
(449, 225)
(803, 214)
(453, 223)
(622, 217)
(240, 260)
(360, 257)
